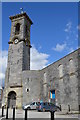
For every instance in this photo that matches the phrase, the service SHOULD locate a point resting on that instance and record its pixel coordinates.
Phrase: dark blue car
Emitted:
(46, 106)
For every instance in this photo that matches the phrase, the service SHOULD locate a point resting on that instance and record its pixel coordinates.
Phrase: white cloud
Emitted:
(60, 47)
(3, 64)
(38, 60)
(68, 27)
(77, 36)
(71, 50)
(40, 47)
(78, 27)
(2, 76)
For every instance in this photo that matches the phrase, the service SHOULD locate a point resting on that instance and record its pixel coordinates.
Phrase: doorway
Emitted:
(11, 99)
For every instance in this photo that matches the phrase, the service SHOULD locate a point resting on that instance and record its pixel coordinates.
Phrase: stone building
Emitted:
(57, 82)
(1, 95)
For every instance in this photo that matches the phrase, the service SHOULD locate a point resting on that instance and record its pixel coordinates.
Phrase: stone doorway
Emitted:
(11, 99)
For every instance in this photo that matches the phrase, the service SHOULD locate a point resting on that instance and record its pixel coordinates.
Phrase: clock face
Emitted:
(16, 41)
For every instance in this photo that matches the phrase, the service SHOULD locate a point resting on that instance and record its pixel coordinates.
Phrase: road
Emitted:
(39, 115)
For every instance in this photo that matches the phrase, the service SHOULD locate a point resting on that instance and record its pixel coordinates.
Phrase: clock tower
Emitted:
(19, 44)
(18, 58)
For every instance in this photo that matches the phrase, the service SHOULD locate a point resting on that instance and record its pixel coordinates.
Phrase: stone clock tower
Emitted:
(18, 59)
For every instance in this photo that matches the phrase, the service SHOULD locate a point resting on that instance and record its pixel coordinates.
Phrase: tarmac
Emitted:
(20, 114)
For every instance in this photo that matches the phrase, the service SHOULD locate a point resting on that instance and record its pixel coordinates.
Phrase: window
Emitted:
(27, 90)
(28, 80)
(71, 66)
(17, 29)
(52, 94)
(45, 78)
(60, 68)
(26, 31)
(8, 73)
(33, 103)
(45, 89)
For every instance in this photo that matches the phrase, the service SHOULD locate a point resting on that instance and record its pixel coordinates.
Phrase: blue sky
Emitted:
(54, 32)
(49, 23)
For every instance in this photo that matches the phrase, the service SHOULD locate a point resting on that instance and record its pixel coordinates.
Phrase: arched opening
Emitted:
(11, 99)
(17, 29)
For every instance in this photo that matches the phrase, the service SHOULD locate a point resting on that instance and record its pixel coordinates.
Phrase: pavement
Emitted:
(20, 114)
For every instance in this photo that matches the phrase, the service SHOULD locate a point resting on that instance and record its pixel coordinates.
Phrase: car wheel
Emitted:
(28, 108)
(39, 111)
(43, 109)
(58, 110)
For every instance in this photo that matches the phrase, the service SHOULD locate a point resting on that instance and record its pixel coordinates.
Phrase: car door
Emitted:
(48, 106)
(52, 107)
(33, 106)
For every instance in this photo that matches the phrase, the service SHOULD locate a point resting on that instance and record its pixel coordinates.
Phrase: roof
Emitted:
(20, 15)
(77, 50)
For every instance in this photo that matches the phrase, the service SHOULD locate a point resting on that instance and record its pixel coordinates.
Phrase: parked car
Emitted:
(46, 106)
(31, 106)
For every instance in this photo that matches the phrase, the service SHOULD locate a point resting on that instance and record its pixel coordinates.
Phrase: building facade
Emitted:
(57, 83)
(1, 95)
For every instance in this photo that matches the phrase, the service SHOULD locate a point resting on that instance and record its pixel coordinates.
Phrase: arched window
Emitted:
(17, 29)
(45, 78)
(60, 68)
(71, 66)
(26, 31)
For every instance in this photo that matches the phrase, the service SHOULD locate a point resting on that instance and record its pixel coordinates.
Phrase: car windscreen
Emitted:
(51, 104)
